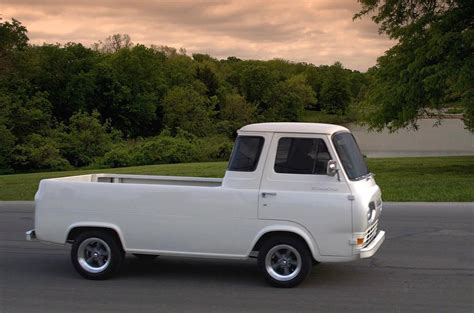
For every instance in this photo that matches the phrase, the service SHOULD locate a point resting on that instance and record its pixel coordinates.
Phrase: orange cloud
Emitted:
(318, 32)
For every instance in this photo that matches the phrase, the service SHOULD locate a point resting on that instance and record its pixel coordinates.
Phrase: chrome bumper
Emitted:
(370, 250)
(30, 235)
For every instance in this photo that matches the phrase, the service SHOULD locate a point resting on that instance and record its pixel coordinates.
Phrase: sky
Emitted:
(317, 31)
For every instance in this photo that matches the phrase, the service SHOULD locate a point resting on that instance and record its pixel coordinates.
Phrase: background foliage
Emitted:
(430, 69)
(120, 104)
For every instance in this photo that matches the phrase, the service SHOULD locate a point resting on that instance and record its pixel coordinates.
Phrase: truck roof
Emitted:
(289, 127)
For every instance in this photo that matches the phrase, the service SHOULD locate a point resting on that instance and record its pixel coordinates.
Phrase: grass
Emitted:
(425, 179)
(401, 179)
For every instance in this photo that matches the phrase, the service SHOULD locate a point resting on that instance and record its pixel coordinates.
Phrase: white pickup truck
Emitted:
(294, 194)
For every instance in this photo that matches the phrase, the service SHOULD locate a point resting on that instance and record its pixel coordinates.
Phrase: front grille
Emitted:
(370, 234)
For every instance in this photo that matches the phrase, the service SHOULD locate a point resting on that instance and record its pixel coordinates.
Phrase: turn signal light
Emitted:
(360, 241)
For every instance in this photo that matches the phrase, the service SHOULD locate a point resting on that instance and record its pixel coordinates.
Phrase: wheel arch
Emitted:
(78, 228)
(286, 230)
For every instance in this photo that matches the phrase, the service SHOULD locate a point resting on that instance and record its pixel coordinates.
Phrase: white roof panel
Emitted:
(309, 128)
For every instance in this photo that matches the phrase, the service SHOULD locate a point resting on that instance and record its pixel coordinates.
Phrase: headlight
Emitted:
(371, 212)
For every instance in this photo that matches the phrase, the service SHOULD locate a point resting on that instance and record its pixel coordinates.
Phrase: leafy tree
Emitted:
(66, 73)
(86, 138)
(290, 98)
(25, 128)
(38, 152)
(235, 112)
(431, 66)
(7, 142)
(187, 109)
(207, 75)
(256, 84)
(357, 83)
(13, 37)
(335, 94)
(24, 115)
(314, 78)
(200, 57)
(130, 86)
(167, 149)
(284, 69)
(180, 70)
(236, 109)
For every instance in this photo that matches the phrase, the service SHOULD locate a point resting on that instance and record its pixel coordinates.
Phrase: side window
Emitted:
(246, 153)
(302, 156)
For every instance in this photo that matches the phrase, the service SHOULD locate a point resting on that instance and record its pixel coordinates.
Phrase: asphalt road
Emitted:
(425, 265)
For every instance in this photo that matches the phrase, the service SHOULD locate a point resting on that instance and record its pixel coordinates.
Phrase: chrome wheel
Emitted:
(94, 255)
(283, 262)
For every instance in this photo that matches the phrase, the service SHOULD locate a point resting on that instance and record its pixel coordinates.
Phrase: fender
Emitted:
(98, 225)
(290, 228)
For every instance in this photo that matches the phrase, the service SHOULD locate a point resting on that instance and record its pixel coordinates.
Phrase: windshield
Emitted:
(350, 155)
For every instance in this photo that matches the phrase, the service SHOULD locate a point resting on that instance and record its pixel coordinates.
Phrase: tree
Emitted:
(66, 73)
(207, 75)
(179, 70)
(114, 43)
(187, 109)
(7, 142)
(86, 138)
(27, 138)
(13, 37)
(314, 78)
(235, 112)
(130, 86)
(289, 99)
(430, 68)
(39, 153)
(24, 115)
(256, 83)
(334, 94)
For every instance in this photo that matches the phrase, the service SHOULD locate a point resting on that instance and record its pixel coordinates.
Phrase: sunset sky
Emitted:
(318, 32)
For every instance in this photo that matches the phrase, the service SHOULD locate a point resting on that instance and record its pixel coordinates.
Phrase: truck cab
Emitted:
(293, 194)
(315, 176)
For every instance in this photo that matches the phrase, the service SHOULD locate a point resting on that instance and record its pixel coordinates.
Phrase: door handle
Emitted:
(264, 194)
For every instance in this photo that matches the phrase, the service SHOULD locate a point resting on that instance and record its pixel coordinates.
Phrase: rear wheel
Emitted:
(96, 254)
(284, 261)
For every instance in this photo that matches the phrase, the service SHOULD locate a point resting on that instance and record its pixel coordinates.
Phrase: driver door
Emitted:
(296, 188)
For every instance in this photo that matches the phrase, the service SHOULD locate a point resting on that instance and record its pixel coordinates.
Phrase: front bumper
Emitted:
(374, 245)
(30, 235)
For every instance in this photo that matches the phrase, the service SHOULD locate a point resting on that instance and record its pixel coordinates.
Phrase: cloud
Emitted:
(319, 32)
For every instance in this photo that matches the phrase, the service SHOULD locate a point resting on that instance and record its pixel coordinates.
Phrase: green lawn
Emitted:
(425, 179)
(401, 179)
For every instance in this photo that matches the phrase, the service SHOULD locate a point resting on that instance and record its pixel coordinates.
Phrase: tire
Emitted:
(284, 261)
(145, 257)
(96, 255)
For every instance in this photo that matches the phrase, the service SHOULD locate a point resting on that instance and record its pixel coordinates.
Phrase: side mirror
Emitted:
(332, 169)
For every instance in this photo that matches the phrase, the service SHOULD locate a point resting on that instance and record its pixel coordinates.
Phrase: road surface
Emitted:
(425, 265)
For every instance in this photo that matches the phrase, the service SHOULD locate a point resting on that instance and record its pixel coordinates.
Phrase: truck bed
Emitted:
(145, 179)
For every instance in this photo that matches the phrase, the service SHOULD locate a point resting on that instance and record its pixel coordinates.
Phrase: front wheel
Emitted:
(284, 261)
(96, 255)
